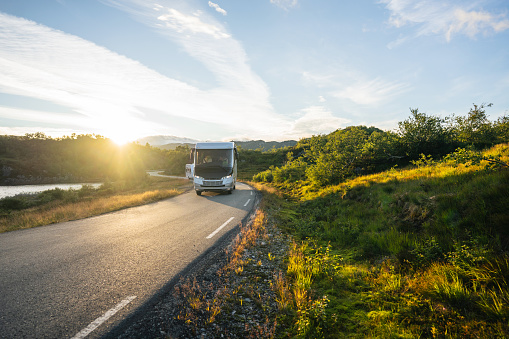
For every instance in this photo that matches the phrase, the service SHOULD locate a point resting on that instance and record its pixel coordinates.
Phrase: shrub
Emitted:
(265, 176)
(13, 203)
(293, 171)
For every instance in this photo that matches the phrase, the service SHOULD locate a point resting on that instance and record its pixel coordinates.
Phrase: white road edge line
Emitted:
(247, 202)
(99, 321)
(219, 228)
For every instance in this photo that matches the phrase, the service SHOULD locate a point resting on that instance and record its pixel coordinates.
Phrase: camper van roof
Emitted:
(215, 145)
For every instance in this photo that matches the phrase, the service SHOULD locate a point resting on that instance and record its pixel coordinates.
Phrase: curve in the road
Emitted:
(62, 279)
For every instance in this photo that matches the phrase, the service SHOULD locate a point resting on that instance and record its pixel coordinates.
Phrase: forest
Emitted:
(37, 158)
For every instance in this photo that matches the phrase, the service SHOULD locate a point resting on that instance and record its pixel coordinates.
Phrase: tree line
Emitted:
(320, 160)
(345, 153)
(38, 158)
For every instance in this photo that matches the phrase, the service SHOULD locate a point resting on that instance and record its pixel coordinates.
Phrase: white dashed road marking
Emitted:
(219, 228)
(99, 321)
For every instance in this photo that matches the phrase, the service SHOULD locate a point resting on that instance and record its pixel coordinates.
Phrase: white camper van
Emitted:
(213, 167)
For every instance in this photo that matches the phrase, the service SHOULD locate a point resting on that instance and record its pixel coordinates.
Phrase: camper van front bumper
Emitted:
(202, 184)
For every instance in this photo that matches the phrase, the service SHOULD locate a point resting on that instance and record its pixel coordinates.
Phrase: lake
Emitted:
(10, 191)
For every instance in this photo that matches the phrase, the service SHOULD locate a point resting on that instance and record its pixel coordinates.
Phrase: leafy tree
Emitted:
(294, 170)
(424, 134)
(335, 157)
(475, 129)
(501, 127)
(382, 150)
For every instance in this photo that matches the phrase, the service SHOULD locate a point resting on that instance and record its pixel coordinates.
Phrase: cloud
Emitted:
(473, 23)
(183, 23)
(444, 17)
(112, 91)
(218, 9)
(285, 4)
(372, 92)
(44, 117)
(316, 120)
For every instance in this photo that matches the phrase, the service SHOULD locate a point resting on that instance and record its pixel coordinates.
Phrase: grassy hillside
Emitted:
(416, 252)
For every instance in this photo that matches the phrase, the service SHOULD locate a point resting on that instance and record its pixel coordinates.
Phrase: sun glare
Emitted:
(120, 132)
(121, 139)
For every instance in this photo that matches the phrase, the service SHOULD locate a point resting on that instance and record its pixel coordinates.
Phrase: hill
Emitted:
(265, 146)
(414, 252)
(162, 140)
(169, 142)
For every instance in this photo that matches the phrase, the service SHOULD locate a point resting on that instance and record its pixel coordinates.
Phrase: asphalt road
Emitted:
(82, 278)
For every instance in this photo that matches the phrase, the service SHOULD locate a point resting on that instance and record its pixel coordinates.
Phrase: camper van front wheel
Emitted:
(198, 192)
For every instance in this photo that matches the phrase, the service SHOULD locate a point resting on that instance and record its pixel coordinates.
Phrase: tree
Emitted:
(475, 129)
(501, 127)
(336, 156)
(424, 134)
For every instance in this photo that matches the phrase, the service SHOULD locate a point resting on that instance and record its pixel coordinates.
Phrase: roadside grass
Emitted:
(244, 300)
(59, 205)
(410, 253)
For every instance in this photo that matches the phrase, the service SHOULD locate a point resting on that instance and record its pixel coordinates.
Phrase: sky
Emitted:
(241, 70)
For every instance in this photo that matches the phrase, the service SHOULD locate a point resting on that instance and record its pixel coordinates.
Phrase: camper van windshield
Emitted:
(215, 157)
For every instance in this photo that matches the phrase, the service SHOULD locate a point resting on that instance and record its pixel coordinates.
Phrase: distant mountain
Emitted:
(265, 145)
(161, 140)
(170, 142)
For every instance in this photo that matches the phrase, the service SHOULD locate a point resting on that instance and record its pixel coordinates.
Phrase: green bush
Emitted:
(13, 203)
(265, 176)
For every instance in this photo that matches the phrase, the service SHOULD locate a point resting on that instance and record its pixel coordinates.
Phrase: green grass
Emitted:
(410, 253)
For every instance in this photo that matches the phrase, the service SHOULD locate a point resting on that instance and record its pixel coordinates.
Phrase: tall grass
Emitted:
(418, 252)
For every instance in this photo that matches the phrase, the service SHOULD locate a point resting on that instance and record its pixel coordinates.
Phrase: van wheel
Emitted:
(198, 192)
(230, 191)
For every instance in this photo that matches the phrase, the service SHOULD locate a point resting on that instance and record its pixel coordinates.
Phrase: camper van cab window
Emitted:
(223, 158)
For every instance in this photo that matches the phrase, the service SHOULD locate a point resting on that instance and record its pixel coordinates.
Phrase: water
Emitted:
(10, 191)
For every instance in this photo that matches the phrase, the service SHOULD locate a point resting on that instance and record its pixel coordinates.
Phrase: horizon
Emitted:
(272, 70)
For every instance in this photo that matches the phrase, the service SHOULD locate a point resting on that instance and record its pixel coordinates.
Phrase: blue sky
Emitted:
(238, 69)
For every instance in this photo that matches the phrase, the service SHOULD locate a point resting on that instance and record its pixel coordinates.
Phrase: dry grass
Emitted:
(58, 211)
(245, 239)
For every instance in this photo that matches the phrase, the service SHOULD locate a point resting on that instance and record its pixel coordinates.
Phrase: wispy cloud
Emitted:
(446, 18)
(91, 81)
(183, 23)
(285, 4)
(372, 92)
(218, 9)
(108, 89)
(345, 82)
(316, 120)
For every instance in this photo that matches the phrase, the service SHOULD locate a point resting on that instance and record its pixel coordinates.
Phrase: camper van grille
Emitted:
(211, 183)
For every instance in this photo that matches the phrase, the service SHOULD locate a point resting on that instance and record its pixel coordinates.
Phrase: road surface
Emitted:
(82, 278)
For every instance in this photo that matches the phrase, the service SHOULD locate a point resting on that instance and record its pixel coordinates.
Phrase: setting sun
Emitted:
(120, 138)
(120, 130)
